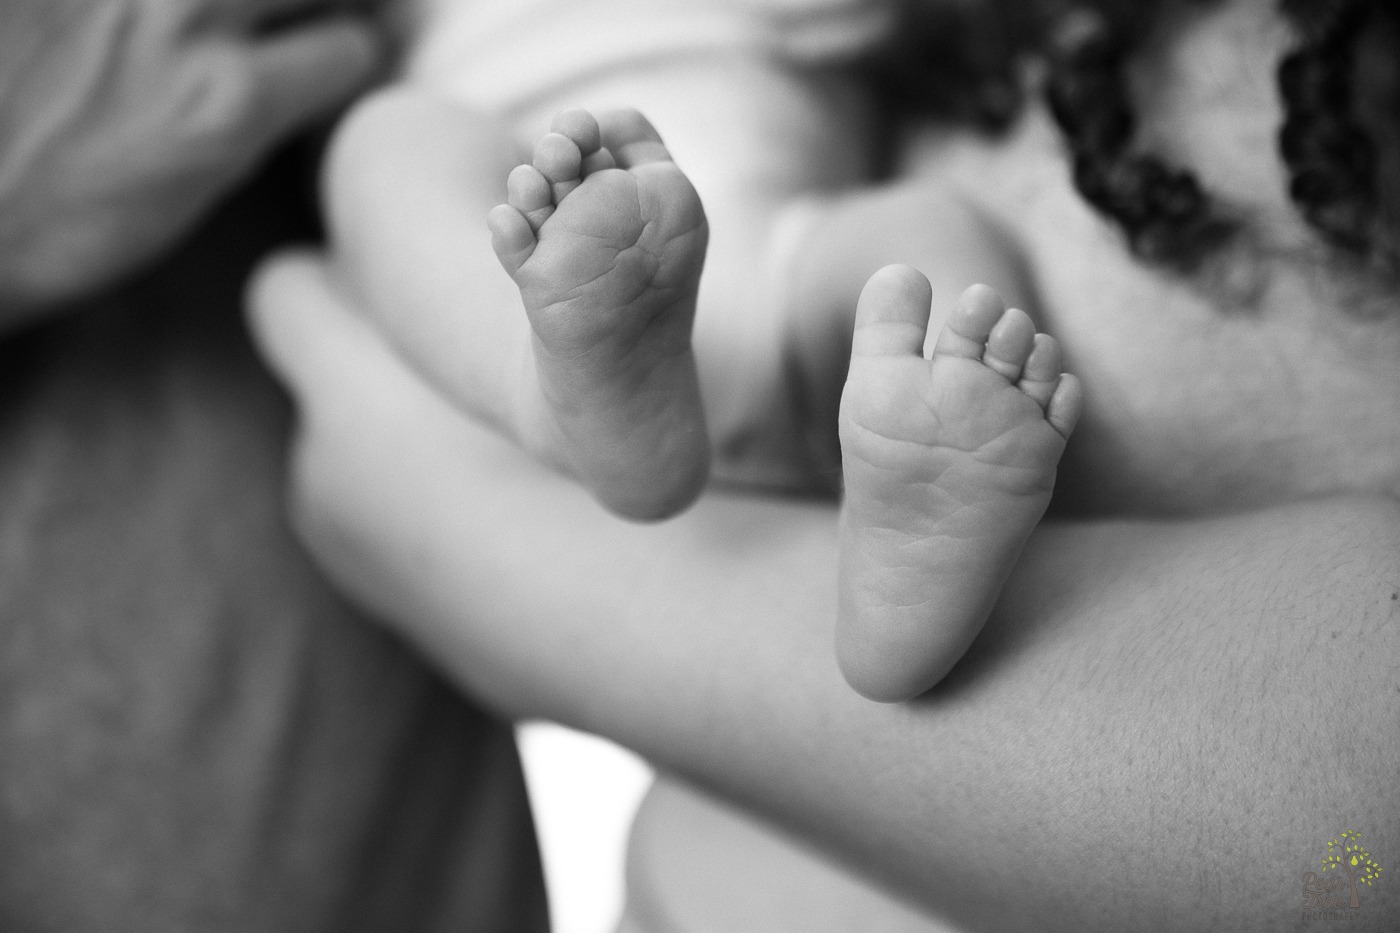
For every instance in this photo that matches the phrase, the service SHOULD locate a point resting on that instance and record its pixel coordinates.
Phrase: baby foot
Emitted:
(948, 464)
(605, 238)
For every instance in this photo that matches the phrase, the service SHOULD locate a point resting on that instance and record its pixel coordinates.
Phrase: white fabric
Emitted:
(507, 55)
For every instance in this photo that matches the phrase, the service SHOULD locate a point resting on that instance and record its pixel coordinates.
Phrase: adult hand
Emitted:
(122, 121)
(353, 395)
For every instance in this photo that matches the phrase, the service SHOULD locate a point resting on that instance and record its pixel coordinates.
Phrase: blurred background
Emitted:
(584, 791)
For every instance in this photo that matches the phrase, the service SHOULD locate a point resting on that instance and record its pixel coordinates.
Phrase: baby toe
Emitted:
(581, 127)
(512, 236)
(1066, 405)
(965, 333)
(529, 192)
(558, 159)
(1041, 372)
(632, 138)
(1010, 344)
(597, 162)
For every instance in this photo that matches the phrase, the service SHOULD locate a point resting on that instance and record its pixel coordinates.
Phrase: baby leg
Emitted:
(606, 238)
(409, 180)
(948, 465)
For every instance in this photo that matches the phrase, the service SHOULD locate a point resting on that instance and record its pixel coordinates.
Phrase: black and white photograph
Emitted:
(699, 466)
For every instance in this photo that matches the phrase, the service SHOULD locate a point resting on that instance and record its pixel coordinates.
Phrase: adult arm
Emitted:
(1160, 728)
(122, 121)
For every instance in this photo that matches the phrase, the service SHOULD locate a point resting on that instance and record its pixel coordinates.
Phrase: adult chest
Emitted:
(1190, 406)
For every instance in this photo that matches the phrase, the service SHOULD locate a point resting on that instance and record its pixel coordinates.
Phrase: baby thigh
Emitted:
(409, 180)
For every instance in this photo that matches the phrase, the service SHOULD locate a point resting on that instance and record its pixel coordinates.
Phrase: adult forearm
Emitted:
(1158, 729)
(1162, 723)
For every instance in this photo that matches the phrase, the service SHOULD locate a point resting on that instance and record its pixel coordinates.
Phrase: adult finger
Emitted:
(371, 436)
(300, 322)
(302, 73)
(334, 362)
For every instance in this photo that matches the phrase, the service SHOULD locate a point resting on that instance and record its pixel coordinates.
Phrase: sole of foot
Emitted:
(605, 237)
(949, 464)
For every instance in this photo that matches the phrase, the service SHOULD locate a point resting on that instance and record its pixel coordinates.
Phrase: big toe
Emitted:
(892, 314)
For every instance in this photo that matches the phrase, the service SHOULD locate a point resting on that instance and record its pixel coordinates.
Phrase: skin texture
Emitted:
(1085, 728)
(125, 120)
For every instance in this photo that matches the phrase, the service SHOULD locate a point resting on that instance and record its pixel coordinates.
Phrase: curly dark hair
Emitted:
(1330, 155)
(1328, 140)
(1163, 210)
